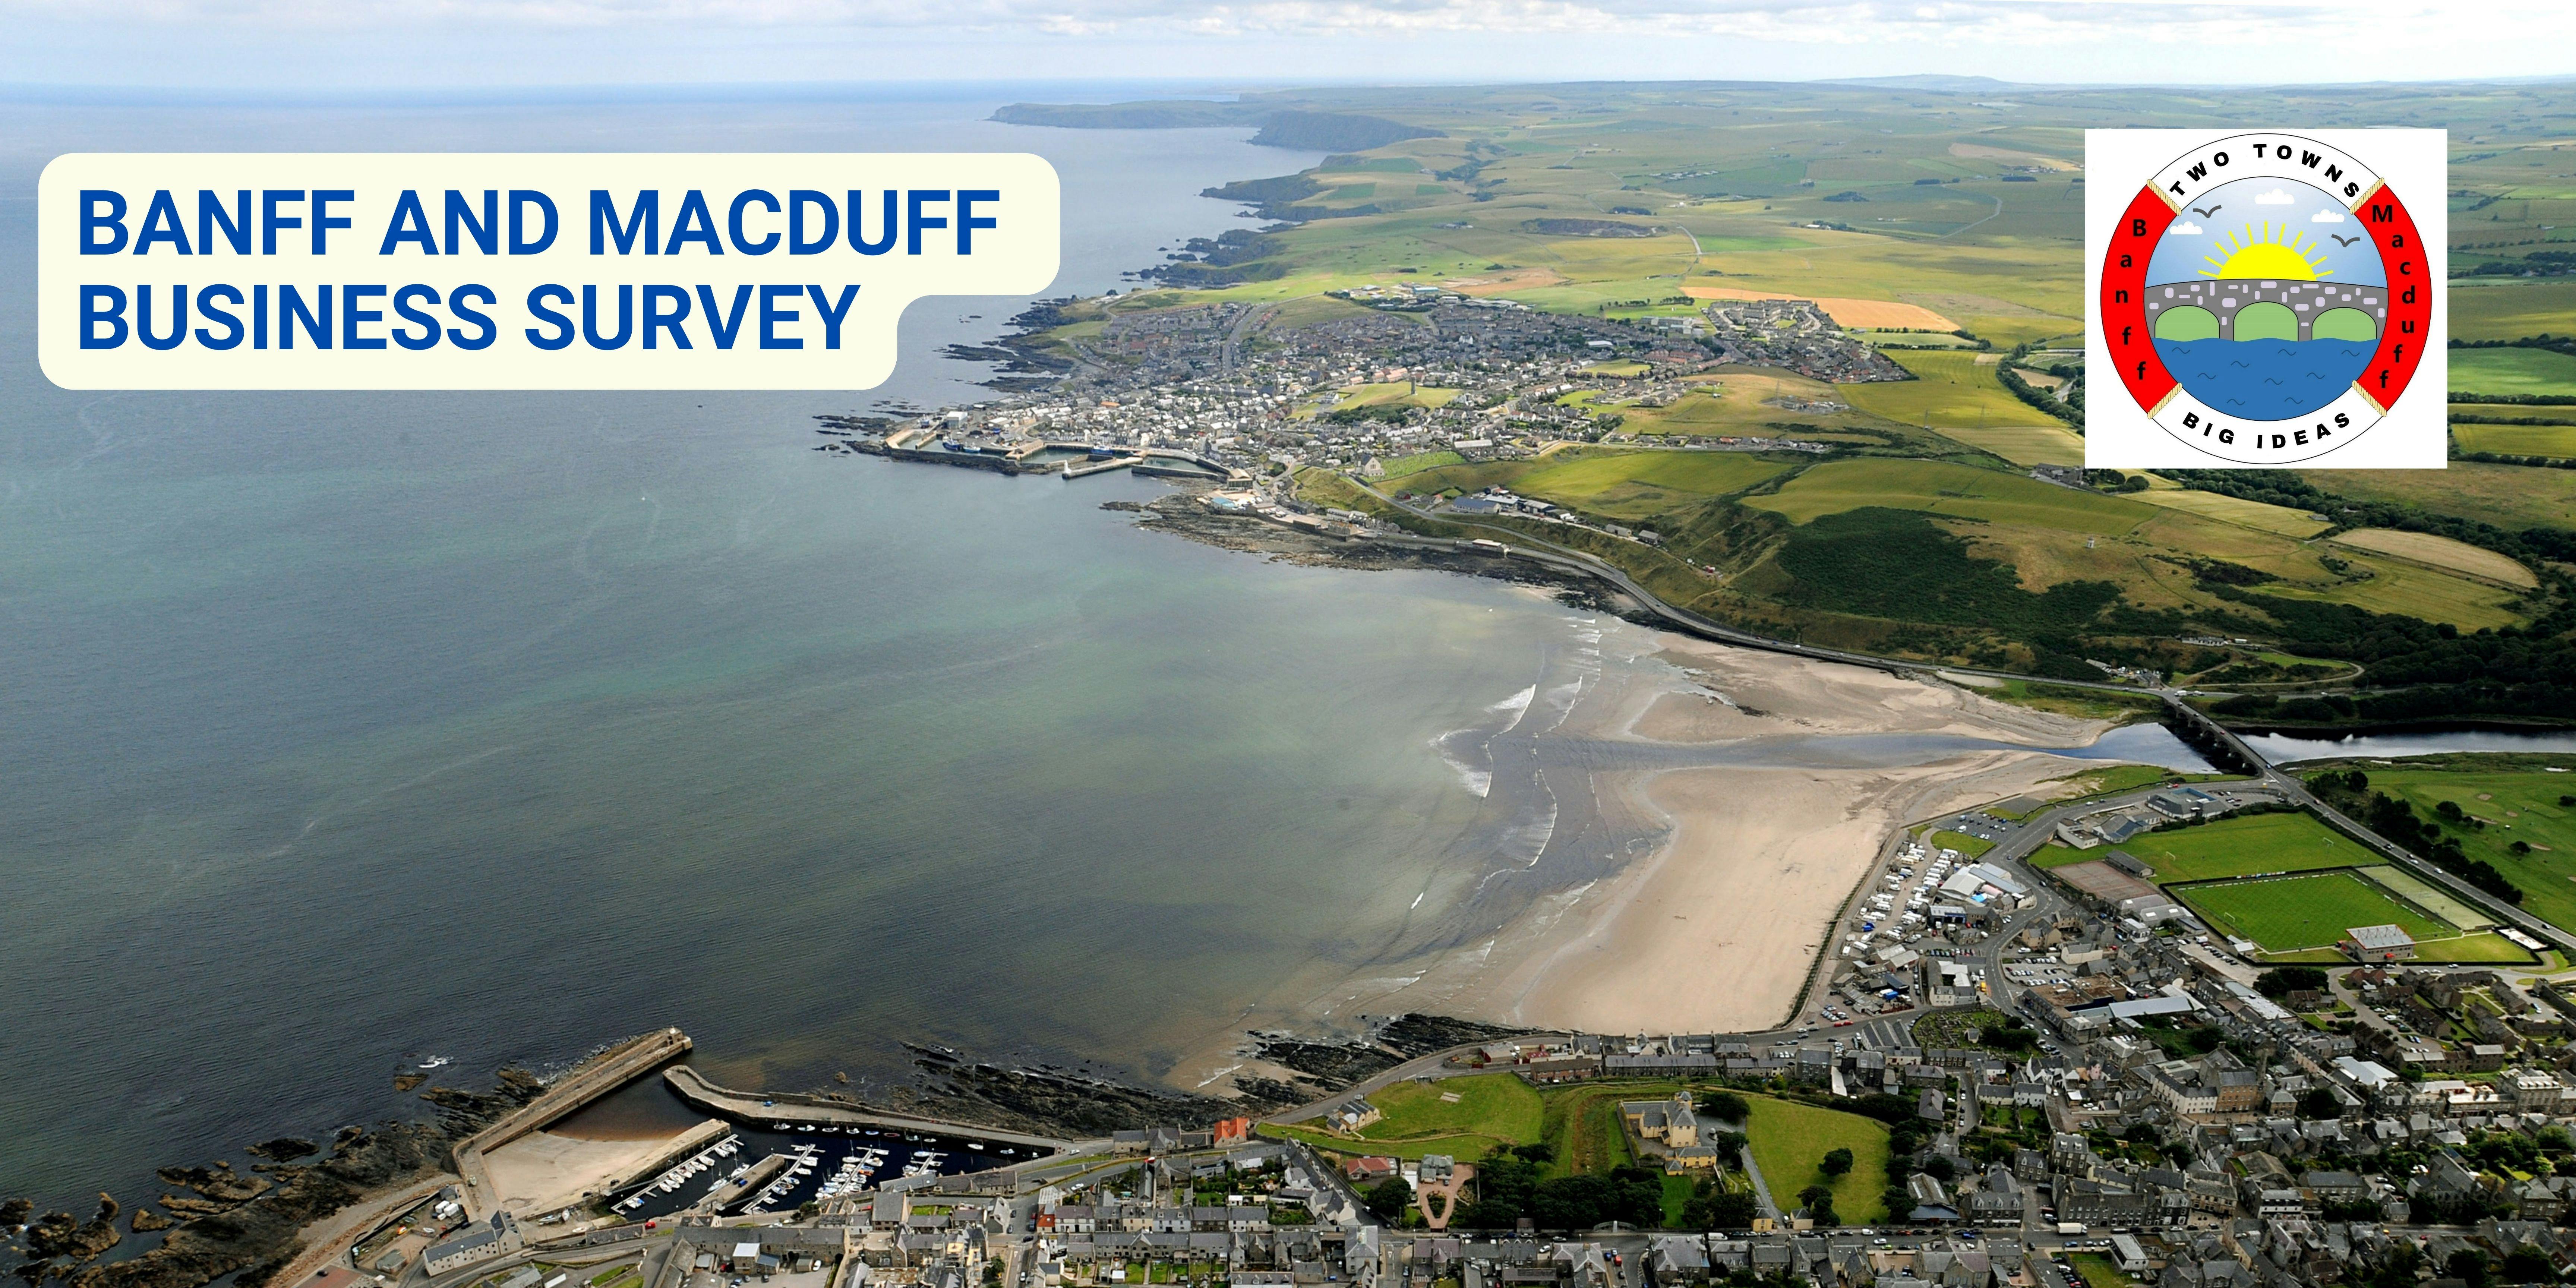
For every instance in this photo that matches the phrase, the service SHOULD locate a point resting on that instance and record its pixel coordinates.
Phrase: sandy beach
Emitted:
(1704, 839)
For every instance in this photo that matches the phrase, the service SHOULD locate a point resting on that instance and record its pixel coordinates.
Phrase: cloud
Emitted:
(2326, 217)
(2185, 228)
(2276, 197)
(1822, 22)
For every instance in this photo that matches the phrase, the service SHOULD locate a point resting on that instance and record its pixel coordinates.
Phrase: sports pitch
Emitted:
(2295, 913)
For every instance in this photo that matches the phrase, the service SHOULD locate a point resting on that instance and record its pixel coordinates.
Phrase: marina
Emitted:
(777, 1167)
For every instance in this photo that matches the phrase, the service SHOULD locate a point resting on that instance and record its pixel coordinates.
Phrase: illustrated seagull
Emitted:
(2207, 213)
(2342, 240)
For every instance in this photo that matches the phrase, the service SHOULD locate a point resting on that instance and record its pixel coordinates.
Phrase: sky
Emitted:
(2225, 219)
(391, 45)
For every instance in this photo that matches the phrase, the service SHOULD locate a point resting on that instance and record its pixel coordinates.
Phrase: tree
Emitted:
(1836, 1162)
(2320, 1102)
(1712, 1206)
(1940, 1166)
(1820, 1205)
(1724, 1106)
(1389, 1197)
(2467, 1265)
(2281, 981)
(2528, 1265)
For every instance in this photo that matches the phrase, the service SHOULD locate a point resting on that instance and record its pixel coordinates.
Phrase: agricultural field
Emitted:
(2258, 515)
(1870, 315)
(1949, 389)
(2412, 590)
(1947, 489)
(2512, 371)
(2508, 496)
(2295, 913)
(2244, 845)
(2521, 802)
(1638, 485)
(2557, 439)
(2511, 310)
(2023, 444)
(2441, 552)
(1739, 400)
(1789, 1140)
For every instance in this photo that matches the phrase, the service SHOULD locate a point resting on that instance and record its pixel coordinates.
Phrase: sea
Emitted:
(2266, 379)
(345, 736)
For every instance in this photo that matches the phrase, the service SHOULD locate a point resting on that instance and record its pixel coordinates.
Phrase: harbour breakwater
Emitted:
(305, 1205)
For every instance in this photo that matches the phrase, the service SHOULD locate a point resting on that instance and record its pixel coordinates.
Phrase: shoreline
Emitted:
(1717, 917)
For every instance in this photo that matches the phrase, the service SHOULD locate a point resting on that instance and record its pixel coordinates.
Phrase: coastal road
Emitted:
(327, 1242)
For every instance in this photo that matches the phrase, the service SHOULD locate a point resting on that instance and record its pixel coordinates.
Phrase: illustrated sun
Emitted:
(2267, 252)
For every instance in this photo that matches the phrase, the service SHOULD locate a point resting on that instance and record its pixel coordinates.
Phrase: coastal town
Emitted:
(1400, 379)
(2041, 1055)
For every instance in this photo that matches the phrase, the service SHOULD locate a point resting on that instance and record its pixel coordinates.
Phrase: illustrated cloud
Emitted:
(2186, 228)
(2326, 217)
(2276, 197)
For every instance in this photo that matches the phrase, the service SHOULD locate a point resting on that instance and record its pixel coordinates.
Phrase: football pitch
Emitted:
(2295, 913)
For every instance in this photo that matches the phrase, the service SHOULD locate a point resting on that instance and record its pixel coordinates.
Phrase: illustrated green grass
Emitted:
(2294, 913)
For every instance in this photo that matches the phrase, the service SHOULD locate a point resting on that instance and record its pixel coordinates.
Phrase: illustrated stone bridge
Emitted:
(2247, 309)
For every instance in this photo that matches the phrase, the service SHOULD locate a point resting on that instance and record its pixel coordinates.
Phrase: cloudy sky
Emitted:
(390, 44)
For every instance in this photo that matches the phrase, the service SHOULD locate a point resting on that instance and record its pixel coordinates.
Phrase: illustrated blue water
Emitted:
(2266, 379)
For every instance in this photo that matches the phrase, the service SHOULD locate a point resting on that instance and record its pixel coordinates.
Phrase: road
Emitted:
(327, 1241)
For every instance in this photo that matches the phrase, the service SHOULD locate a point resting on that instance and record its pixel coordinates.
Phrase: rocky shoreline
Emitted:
(216, 1220)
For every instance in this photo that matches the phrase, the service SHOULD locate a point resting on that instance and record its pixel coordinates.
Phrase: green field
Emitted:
(1418, 462)
(2231, 847)
(1641, 484)
(1491, 1109)
(1943, 488)
(2229, 509)
(1949, 388)
(2512, 310)
(1960, 841)
(2512, 371)
(2295, 913)
(2517, 440)
(1789, 1140)
(2412, 590)
(2509, 496)
(2023, 445)
(2520, 803)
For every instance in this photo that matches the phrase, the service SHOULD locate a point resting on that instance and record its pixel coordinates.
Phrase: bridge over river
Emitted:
(2248, 309)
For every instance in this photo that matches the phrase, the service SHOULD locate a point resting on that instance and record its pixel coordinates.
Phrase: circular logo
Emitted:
(2265, 298)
